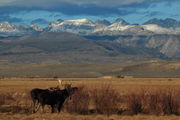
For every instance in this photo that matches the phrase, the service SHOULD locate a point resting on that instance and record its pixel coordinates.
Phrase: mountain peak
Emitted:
(7, 27)
(78, 26)
(36, 27)
(170, 19)
(121, 21)
(5, 24)
(104, 22)
(167, 23)
(84, 20)
(60, 20)
(87, 27)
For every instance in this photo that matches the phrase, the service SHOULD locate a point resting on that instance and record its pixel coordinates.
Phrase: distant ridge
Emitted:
(99, 27)
(167, 23)
(63, 47)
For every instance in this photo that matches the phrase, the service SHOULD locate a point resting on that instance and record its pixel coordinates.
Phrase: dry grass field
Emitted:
(15, 102)
(137, 69)
(83, 117)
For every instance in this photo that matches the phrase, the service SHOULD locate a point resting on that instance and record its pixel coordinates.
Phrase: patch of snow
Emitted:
(157, 29)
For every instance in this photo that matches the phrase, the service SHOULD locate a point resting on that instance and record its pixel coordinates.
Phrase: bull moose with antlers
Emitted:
(53, 97)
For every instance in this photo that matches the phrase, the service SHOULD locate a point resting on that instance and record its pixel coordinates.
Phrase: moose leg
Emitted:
(52, 108)
(42, 108)
(38, 106)
(34, 106)
(59, 107)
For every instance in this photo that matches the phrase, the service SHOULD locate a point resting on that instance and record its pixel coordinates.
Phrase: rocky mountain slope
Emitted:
(69, 48)
(167, 45)
(60, 47)
(85, 41)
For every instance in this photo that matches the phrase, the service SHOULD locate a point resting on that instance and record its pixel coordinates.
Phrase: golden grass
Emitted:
(124, 86)
(19, 84)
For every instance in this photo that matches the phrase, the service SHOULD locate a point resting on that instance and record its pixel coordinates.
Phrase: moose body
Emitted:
(52, 98)
(35, 93)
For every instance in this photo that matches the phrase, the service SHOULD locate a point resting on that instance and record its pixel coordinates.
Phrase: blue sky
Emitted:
(44, 11)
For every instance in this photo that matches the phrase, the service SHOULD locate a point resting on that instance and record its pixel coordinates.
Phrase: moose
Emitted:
(52, 97)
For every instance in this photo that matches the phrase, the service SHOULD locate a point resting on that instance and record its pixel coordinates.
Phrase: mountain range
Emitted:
(85, 41)
(99, 27)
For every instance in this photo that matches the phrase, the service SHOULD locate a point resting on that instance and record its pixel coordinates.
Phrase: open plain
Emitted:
(16, 102)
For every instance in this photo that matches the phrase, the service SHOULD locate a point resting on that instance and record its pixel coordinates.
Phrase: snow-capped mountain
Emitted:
(112, 29)
(118, 25)
(88, 27)
(103, 27)
(103, 22)
(7, 29)
(79, 26)
(121, 21)
(167, 23)
(36, 27)
(157, 29)
(118, 28)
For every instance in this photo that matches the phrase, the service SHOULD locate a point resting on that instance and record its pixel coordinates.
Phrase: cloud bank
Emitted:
(55, 3)
(44, 11)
